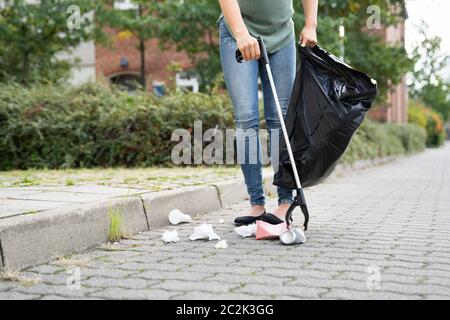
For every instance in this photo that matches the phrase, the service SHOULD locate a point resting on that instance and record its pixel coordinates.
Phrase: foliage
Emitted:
(428, 119)
(416, 114)
(59, 127)
(191, 27)
(364, 50)
(185, 26)
(31, 36)
(373, 140)
(97, 126)
(428, 85)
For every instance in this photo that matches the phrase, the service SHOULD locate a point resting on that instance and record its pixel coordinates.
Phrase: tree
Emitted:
(365, 50)
(191, 27)
(428, 84)
(31, 36)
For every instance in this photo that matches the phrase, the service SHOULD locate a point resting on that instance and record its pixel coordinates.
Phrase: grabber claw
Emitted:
(299, 201)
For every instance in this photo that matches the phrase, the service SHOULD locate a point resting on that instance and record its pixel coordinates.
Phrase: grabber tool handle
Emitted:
(262, 48)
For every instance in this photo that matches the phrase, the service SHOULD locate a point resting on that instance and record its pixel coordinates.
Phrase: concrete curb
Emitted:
(29, 240)
(231, 191)
(132, 212)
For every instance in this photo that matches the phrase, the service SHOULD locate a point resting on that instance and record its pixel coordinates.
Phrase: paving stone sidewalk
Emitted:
(380, 233)
(95, 185)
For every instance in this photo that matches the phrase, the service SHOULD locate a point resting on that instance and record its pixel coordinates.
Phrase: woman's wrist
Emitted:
(241, 32)
(309, 24)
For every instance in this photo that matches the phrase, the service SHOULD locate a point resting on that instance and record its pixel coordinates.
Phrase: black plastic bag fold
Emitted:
(328, 104)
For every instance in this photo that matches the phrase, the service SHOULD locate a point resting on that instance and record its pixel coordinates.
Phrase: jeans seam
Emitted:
(287, 201)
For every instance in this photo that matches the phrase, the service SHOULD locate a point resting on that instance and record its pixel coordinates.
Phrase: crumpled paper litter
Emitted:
(204, 231)
(222, 244)
(246, 231)
(176, 217)
(170, 236)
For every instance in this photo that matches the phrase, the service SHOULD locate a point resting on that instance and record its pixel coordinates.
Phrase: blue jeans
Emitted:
(242, 84)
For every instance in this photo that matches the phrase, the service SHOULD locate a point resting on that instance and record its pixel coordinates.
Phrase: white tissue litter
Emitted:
(176, 217)
(246, 231)
(222, 244)
(204, 231)
(221, 221)
(170, 236)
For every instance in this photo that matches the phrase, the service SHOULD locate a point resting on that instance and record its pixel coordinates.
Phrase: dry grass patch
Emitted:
(15, 276)
(66, 261)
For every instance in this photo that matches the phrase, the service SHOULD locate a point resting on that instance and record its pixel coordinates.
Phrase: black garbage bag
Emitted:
(328, 104)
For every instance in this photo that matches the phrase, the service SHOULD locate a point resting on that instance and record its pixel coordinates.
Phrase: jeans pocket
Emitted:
(223, 29)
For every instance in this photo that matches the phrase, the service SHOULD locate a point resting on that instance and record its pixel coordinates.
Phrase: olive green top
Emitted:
(269, 19)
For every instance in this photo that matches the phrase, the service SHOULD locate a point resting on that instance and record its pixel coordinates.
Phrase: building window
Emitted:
(125, 5)
(127, 81)
(187, 81)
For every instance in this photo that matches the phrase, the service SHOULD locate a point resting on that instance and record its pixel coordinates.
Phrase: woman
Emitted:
(241, 21)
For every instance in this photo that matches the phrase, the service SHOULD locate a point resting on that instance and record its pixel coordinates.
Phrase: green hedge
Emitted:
(93, 125)
(428, 119)
(373, 140)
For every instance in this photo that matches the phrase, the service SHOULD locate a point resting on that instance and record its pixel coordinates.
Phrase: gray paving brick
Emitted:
(55, 297)
(207, 286)
(168, 275)
(126, 294)
(126, 283)
(201, 295)
(47, 269)
(438, 297)
(274, 290)
(17, 296)
(5, 286)
(364, 295)
(107, 273)
(64, 291)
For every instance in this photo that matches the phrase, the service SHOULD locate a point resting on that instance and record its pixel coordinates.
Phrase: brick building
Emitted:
(396, 107)
(122, 61)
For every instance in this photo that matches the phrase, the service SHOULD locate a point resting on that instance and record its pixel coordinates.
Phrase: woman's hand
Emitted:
(248, 46)
(308, 36)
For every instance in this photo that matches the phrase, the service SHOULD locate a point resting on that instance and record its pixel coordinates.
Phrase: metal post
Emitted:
(142, 52)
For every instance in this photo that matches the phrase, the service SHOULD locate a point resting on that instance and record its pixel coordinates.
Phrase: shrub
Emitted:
(96, 126)
(373, 140)
(93, 125)
(428, 119)
(412, 136)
